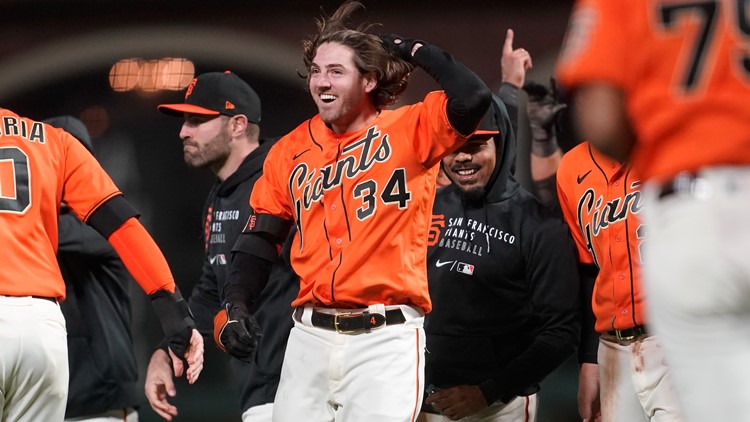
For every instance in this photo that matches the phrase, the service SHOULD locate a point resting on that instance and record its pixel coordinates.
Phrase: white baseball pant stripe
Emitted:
(370, 377)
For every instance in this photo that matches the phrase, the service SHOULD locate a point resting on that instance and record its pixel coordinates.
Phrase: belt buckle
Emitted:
(621, 337)
(336, 323)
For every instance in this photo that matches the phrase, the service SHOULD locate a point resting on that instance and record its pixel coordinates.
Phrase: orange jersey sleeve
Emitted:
(674, 60)
(361, 202)
(40, 167)
(601, 202)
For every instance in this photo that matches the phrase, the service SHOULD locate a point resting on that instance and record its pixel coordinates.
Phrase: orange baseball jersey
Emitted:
(673, 59)
(361, 202)
(601, 200)
(40, 167)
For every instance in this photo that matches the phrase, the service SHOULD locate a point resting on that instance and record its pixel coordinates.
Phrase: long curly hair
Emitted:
(370, 54)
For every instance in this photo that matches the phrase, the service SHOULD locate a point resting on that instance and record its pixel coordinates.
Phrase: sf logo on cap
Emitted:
(190, 87)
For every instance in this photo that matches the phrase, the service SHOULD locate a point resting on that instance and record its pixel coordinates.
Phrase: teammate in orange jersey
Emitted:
(666, 85)
(601, 200)
(358, 181)
(40, 168)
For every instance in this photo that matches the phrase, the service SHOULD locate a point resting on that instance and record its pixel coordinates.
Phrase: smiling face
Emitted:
(205, 140)
(338, 88)
(471, 166)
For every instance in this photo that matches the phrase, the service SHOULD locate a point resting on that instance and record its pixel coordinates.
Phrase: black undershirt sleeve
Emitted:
(468, 96)
(589, 345)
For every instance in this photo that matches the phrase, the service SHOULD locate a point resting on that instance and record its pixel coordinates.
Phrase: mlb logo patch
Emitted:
(465, 268)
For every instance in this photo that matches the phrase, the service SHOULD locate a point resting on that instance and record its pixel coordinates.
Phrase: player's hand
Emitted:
(236, 331)
(457, 402)
(543, 110)
(403, 48)
(514, 63)
(160, 385)
(589, 405)
(193, 356)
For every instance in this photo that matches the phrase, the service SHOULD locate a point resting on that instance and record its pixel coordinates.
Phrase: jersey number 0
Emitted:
(15, 181)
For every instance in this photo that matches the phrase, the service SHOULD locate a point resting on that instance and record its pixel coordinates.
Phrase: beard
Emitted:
(472, 194)
(214, 151)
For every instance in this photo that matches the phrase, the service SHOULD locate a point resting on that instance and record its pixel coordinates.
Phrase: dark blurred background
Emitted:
(58, 57)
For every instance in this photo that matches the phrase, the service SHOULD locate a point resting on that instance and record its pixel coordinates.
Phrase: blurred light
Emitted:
(169, 73)
(96, 120)
(124, 75)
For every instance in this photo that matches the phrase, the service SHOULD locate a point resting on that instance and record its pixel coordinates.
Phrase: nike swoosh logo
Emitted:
(296, 156)
(212, 259)
(442, 263)
(581, 177)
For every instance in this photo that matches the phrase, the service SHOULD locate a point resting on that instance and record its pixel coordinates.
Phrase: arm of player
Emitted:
(543, 111)
(159, 385)
(235, 329)
(457, 402)
(468, 96)
(114, 219)
(514, 63)
(589, 404)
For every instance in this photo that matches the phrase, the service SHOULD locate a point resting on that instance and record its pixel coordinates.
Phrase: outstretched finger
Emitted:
(508, 44)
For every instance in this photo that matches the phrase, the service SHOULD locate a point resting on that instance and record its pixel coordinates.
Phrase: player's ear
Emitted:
(371, 82)
(238, 125)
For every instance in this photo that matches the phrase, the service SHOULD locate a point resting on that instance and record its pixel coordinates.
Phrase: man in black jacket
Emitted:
(221, 132)
(504, 285)
(103, 370)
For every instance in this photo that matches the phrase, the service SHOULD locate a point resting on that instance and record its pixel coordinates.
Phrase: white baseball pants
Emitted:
(697, 278)
(370, 377)
(33, 360)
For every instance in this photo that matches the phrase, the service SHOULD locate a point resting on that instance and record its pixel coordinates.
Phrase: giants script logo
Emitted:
(308, 185)
(595, 215)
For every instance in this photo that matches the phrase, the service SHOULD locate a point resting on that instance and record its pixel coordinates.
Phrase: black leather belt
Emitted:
(630, 333)
(51, 299)
(683, 182)
(352, 322)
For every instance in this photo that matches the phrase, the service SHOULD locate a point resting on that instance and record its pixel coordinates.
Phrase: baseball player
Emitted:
(221, 131)
(358, 182)
(665, 85)
(97, 315)
(503, 282)
(40, 168)
(602, 202)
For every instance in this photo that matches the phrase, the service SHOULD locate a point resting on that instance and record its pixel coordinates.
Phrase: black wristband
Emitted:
(172, 310)
(544, 147)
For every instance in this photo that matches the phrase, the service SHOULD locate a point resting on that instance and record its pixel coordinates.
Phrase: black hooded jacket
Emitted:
(503, 282)
(225, 213)
(103, 371)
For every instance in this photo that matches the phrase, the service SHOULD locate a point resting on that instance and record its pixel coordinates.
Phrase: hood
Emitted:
(251, 165)
(502, 183)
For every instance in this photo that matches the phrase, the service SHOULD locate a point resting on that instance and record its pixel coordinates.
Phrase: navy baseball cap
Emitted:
(488, 126)
(216, 93)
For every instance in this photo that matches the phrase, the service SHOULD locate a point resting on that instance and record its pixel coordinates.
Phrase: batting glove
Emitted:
(543, 110)
(176, 319)
(399, 46)
(236, 331)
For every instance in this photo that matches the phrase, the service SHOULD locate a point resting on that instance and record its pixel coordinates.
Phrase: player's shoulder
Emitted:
(577, 157)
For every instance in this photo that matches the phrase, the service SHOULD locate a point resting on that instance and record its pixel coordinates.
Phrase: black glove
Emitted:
(175, 318)
(402, 49)
(236, 331)
(543, 109)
